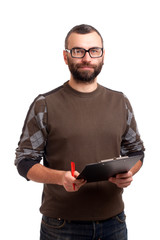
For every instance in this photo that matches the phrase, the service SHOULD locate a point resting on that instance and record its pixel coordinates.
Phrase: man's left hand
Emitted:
(122, 180)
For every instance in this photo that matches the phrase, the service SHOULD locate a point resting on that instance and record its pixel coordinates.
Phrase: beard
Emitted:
(85, 76)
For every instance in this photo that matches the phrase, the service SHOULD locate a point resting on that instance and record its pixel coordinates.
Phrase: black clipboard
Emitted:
(105, 169)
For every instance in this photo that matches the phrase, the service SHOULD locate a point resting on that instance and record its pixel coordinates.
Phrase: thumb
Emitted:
(76, 174)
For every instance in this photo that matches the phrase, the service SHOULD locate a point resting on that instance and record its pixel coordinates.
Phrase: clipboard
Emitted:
(105, 169)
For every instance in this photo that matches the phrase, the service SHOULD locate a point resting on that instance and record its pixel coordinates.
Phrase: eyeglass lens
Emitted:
(80, 52)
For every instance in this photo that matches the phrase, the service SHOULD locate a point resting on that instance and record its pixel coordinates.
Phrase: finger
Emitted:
(76, 174)
(121, 182)
(124, 175)
(124, 185)
(79, 184)
(79, 181)
(124, 180)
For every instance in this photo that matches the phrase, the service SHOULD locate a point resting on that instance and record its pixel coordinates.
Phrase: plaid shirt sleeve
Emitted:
(131, 142)
(34, 135)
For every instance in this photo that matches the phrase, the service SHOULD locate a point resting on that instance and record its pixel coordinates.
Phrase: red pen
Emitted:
(72, 172)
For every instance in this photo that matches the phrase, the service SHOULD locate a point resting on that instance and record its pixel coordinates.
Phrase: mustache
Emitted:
(79, 65)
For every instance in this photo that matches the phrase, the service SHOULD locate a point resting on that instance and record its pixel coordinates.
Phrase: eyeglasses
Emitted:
(95, 52)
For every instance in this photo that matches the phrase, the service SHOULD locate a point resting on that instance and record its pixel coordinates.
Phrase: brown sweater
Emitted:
(65, 125)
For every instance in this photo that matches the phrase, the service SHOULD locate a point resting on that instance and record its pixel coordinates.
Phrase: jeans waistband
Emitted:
(81, 221)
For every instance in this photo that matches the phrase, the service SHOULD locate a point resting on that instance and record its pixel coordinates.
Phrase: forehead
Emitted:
(84, 40)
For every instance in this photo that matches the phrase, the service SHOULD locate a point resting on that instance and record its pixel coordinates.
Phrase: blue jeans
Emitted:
(59, 229)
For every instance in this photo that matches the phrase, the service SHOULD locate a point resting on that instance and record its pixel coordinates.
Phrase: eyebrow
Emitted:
(88, 48)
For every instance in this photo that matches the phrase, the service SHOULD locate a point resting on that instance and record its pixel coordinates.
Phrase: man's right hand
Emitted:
(68, 181)
(42, 174)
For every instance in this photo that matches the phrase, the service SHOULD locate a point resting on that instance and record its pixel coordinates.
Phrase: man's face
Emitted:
(84, 69)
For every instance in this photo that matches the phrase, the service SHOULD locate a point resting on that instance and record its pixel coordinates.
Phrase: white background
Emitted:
(31, 62)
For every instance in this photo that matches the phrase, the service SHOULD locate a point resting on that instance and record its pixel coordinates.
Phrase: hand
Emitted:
(68, 180)
(122, 180)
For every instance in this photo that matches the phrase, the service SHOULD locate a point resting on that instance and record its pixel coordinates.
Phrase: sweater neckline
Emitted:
(68, 88)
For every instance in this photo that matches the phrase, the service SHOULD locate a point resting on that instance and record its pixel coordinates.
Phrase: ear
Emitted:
(65, 57)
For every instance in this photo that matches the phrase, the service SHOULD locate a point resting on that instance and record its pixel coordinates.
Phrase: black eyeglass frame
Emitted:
(70, 51)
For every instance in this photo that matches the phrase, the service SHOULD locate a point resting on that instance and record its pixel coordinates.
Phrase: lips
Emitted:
(85, 66)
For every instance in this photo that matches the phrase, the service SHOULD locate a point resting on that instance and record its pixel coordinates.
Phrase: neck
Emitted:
(83, 87)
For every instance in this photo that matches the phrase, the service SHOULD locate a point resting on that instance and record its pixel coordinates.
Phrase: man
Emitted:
(82, 122)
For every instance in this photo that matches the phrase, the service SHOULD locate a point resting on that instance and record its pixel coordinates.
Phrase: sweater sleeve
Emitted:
(33, 138)
(131, 141)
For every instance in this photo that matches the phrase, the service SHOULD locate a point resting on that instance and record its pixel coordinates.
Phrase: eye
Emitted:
(94, 50)
(78, 51)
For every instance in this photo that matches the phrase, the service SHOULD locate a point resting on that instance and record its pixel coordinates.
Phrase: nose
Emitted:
(87, 57)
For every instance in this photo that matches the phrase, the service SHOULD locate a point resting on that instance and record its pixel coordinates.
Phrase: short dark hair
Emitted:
(81, 29)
